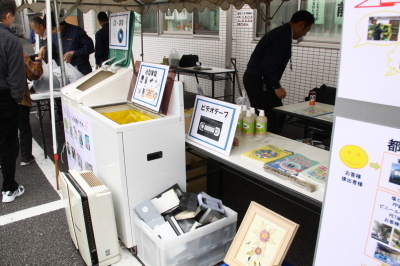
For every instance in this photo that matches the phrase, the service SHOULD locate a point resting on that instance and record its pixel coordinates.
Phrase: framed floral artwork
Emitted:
(263, 238)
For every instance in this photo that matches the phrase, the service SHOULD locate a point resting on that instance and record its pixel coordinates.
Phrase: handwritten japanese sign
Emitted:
(245, 18)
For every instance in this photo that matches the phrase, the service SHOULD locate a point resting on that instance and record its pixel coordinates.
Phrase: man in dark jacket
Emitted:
(12, 85)
(77, 46)
(38, 25)
(102, 40)
(268, 62)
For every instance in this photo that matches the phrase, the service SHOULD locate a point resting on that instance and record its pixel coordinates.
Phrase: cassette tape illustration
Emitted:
(209, 128)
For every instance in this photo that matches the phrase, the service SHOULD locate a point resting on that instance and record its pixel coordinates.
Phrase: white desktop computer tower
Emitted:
(91, 219)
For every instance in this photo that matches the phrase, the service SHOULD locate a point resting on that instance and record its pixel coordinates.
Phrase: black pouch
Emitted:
(189, 60)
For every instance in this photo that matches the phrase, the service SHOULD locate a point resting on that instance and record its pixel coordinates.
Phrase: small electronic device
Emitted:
(206, 201)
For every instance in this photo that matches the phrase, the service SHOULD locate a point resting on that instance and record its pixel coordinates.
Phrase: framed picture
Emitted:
(263, 238)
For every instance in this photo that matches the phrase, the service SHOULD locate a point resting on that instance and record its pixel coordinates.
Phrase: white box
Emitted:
(206, 245)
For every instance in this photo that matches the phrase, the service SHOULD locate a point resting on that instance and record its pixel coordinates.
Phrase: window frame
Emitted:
(177, 34)
(310, 41)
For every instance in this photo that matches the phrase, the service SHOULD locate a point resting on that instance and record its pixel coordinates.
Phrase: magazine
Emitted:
(312, 111)
(317, 173)
(293, 164)
(265, 154)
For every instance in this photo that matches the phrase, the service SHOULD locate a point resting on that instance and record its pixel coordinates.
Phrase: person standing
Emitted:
(76, 44)
(38, 25)
(102, 36)
(33, 71)
(12, 85)
(268, 62)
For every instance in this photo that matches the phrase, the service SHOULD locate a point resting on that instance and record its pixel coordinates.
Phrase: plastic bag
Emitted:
(127, 116)
(72, 73)
(42, 84)
(244, 100)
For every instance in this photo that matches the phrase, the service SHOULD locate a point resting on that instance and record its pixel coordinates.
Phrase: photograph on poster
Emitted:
(80, 138)
(387, 255)
(80, 161)
(395, 241)
(381, 232)
(383, 28)
(88, 167)
(73, 153)
(390, 172)
(87, 142)
(395, 174)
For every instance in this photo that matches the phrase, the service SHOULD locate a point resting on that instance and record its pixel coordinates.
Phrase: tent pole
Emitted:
(141, 37)
(50, 65)
(228, 54)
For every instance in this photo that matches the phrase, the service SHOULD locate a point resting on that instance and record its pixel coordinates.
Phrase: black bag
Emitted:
(189, 60)
(324, 94)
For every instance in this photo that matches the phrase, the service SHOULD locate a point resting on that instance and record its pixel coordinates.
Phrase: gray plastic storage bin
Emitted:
(206, 245)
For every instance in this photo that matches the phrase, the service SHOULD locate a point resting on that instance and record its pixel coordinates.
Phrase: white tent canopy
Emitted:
(142, 6)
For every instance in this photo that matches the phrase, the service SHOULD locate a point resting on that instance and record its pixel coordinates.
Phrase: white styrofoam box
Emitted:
(206, 245)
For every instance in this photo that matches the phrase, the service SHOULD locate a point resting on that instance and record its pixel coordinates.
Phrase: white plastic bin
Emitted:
(206, 245)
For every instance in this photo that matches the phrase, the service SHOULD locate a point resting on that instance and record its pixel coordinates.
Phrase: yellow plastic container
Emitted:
(127, 116)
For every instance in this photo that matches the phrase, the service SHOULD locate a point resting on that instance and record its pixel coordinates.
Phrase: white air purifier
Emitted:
(91, 218)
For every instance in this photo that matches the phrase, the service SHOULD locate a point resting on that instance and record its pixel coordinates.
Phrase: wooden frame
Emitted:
(263, 238)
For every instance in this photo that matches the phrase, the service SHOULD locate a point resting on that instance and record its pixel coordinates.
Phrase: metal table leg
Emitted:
(39, 108)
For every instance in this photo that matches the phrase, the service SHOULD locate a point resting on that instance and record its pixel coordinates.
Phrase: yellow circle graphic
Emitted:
(353, 156)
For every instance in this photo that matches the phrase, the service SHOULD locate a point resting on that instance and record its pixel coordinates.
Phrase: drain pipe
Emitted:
(228, 55)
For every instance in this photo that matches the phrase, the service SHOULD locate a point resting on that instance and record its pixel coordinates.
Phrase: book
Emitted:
(317, 173)
(293, 164)
(266, 154)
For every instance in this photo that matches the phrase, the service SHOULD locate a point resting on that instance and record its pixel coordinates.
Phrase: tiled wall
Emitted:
(312, 67)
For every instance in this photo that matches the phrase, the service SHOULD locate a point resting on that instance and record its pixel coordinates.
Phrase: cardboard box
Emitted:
(196, 168)
(195, 156)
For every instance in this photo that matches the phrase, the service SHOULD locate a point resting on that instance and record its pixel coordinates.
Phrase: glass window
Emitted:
(206, 22)
(328, 18)
(175, 22)
(149, 23)
(282, 16)
(137, 22)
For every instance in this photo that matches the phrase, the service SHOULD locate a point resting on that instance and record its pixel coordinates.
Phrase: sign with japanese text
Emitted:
(214, 123)
(119, 30)
(339, 12)
(244, 18)
(78, 141)
(317, 8)
(364, 181)
(150, 84)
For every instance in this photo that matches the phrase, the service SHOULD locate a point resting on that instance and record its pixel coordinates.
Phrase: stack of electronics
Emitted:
(173, 212)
